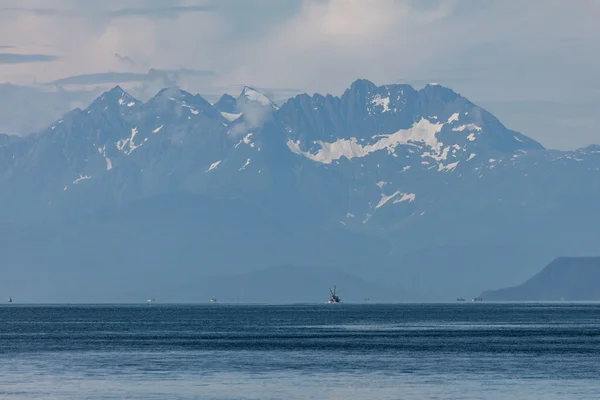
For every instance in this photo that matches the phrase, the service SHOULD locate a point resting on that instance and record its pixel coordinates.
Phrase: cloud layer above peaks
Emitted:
(494, 52)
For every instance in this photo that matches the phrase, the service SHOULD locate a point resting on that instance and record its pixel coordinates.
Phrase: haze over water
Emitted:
(375, 351)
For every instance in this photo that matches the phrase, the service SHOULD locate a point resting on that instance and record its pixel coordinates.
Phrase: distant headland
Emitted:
(564, 279)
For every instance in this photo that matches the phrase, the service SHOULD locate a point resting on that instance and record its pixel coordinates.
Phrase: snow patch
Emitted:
(448, 167)
(81, 178)
(247, 139)
(471, 156)
(469, 127)
(421, 132)
(128, 142)
(245, 165)
(102, 151)
(517, 139)
(131, 104)
(492, 160)
(385, 199)
(380, 184)
(213, 165)
(253, 95)
(383, 102)
(453, 117)
(437, 157)
(230, 116)
(471, 137)
(410, 197)
(406, 168)
(157, 129)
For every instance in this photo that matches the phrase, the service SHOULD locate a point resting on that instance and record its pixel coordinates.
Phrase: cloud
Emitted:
(125, 59)
(275, 94)
(160, 12)
(254, 116)
(268, 89)
(100, 78)
(145, 10)
(167, 77)
(343, 40)
(34, 10)
(549, 51)
(13, 58)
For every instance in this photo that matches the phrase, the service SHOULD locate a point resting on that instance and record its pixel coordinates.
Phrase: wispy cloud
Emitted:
(100, 78)
(33, 10)
(125, 59)
(167, 76)
(160, 12)
(13, 58)
(268, 89)
(152, 12)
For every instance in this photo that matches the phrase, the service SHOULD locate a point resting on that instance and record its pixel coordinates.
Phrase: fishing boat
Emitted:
(213, 300)
(150, 300)
(9, 299)
(334, 298)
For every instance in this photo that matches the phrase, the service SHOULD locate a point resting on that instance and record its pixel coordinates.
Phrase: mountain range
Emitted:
(421, 191)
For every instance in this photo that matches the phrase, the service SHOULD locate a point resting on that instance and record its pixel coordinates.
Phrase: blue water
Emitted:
(343, 351)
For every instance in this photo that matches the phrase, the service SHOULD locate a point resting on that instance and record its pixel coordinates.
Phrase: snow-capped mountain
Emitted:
(412, 169)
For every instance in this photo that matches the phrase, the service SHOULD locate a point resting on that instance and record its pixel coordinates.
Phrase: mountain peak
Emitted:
(437, 90)
(173, 93)
(115, 97)
(249, 94)
(226, 103)
(362, 85)
(226, 97)
(178, 96)
(117, 89)
(117, 92)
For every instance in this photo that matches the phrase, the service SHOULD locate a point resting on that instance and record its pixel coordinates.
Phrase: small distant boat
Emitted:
(460, 299)
(9, 299)
(213, 299)
(150, 300)
(477, 299)
(334, 298)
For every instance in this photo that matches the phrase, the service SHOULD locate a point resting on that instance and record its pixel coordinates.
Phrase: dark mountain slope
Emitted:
(564, 279)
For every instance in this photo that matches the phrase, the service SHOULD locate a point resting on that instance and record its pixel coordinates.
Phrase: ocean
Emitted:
(308, 351)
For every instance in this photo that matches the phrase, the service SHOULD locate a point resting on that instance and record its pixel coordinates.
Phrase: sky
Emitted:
(532, 63)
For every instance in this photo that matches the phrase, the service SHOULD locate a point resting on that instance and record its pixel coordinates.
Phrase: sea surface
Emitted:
(339, 351)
